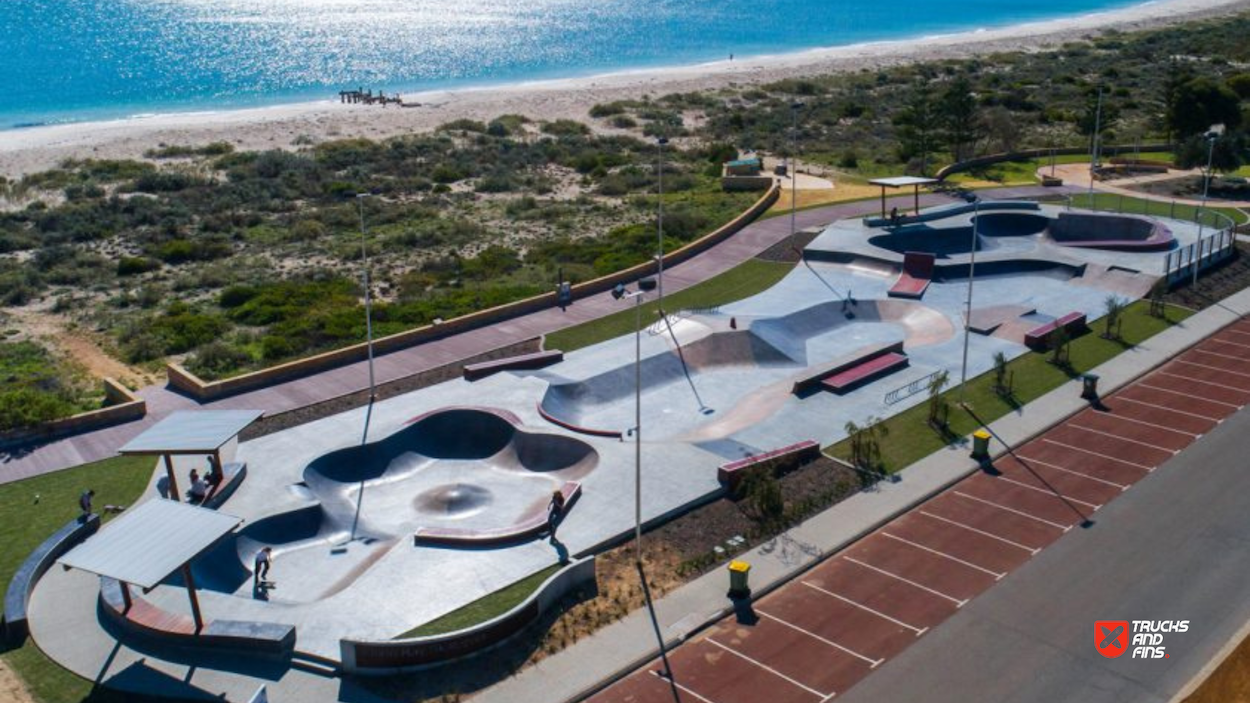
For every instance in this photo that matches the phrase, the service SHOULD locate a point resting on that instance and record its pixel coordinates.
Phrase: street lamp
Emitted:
(364, 257)
(1093, 159)
(972, 268)
(792, 170)
(621, 292)
(1211, 136)
(659, 221)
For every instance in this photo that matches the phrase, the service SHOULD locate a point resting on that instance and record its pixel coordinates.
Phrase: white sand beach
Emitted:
(25, 151)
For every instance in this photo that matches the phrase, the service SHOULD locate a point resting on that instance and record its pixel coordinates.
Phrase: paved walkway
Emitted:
(630, 643)
(753, 239)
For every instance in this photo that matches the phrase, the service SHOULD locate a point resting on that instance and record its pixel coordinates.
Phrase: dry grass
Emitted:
(1230, 683)
(841, 192)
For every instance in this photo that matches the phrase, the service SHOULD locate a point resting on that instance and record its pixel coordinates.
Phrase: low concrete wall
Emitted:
(120, 406)
(204, 391)
(397, 656)
(960, 166)
(37, 563)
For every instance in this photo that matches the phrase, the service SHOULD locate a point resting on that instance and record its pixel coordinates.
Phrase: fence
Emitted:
(907, 391)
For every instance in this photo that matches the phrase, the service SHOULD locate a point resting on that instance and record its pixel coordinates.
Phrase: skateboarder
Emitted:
(84, 503)
(264, 558)
(555, 510)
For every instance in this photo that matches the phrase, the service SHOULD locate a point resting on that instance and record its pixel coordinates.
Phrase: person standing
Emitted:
(555, 510)
(84, 503)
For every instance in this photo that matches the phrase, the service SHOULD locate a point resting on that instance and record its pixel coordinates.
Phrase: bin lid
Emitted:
(981, 434)
(739, 566)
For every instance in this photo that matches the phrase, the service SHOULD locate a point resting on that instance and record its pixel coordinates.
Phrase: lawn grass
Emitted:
(484, 608)
(910, 438)
(32, 510)
(743, 281)
(1140, 206)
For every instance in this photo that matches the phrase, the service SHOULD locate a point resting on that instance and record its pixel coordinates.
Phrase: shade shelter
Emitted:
(189, 433)
(902, 182)
(149, 543)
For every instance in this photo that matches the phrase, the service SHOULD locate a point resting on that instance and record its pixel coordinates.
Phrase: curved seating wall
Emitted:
(263, 639)
(944, 211)
(17, 597)
(397, 656)
(1110, 232)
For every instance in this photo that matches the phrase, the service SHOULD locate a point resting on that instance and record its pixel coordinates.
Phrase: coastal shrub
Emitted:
(624, 122)
(19, 284)
(181, 328)
(135, 265)
(177, 151)
(216, 359)
(617, 107)
(164, 182)
(565, 128)
(179, 251)
(462, 125)
(236, 295)
(38, 386)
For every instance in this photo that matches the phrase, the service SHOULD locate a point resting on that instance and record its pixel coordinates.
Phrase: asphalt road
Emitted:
(1176, 546)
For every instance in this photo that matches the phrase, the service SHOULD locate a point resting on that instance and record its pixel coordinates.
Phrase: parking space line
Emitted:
(918, 630)
(1143, 422)
(1147, 469)
(1143, 384)
(1004, 540)
(765, 667)
(1123, 439)
(684, 689)
(1199, 350)
(1179, 360)
(1046, 491)
(1199, 380)
(873, 663)
(1044, 521)
(1225, 341)
(1022, 458)
(1171, 410)
(997, 576)
(958, 603)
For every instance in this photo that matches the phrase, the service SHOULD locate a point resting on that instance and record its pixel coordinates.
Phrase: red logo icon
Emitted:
(1111, 637)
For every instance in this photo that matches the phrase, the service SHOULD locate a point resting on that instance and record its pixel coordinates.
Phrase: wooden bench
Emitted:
(860, 374)
(916, 275)
(536, 360)
(140, 617)
(731, 473)
(1039, 338)
(813, 378)
(527, 528)
(37, 563)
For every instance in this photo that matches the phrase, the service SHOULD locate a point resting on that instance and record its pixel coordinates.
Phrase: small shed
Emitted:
(902, 182)
(207, 433)
(150, 542)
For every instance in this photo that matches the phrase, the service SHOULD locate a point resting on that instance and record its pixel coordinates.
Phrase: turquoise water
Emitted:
(68, 60)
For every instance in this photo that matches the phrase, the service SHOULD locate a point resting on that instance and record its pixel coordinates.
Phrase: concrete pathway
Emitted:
(618, 649)
(162, 400)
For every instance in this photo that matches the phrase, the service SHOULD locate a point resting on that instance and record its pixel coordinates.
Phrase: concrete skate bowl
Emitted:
(1010, 224)
(468, 468)
(1114, 232)
(941, 242)
(725, 381)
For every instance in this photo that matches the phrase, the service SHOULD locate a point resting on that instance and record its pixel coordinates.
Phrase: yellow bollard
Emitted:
(739, 586)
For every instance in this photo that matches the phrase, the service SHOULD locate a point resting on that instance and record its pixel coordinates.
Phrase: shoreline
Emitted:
(28, 150)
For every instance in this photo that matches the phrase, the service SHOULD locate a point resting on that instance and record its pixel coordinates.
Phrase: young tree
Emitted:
(939, 408)
(1059, 340)
(1113, 307)
(1227, 153)
(866, 443)
(1000, 374)
(959, 117)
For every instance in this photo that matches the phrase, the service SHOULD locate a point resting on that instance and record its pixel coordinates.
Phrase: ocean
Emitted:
(75, 60)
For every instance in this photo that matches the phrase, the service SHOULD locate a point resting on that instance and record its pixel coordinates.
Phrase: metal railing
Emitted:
(907, 391)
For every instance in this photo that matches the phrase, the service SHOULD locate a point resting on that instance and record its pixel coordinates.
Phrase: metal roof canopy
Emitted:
(149, 542)
(191, 432)
(902, 182)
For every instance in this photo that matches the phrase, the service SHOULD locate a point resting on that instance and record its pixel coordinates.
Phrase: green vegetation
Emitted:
(484, 608)
(38, 386)
(910, 437)
(34, 509)
(1114, 202)
(742, 281)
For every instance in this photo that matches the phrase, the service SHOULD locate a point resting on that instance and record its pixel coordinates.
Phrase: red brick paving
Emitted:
(819, 634)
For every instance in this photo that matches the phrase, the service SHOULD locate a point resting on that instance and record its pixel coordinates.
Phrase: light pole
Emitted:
(364, 257)
(621, 292)
(972, 267)
(659, 222)
(1093, 159)
(1211, 135)
(792, 170)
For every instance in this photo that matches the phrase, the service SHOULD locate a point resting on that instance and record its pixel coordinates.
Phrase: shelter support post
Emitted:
(173, 479)
(882, 202)
(195, 600)
(126, 596)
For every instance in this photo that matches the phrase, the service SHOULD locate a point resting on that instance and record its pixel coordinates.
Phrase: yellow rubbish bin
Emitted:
(980, 445)
(739, 586)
